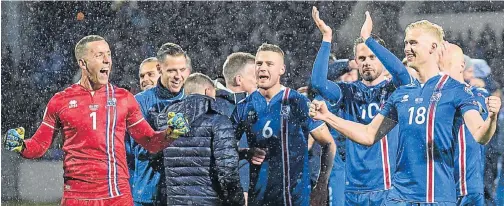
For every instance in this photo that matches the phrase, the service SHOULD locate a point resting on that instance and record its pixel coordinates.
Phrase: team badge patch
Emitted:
(285, 111)
(436, 96)
(112, 102)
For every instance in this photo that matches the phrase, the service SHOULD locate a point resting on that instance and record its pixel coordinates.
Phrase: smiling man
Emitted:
(92, 116)
(147, 178)
(365, 176)
(149, 73)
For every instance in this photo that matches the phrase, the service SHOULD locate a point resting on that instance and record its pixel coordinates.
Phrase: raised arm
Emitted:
(400, 75)
(360, 133)
(328, 89)
(37, 145)
(483, 130)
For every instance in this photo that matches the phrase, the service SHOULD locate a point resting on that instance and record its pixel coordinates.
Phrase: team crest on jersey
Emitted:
(436, 96)
(93, 107)
(285, 111)
(72, 104)
(112, 102)
(405, 98)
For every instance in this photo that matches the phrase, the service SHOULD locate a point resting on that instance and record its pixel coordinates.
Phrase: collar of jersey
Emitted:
(164, 93)
(102, 89)
(274, 97)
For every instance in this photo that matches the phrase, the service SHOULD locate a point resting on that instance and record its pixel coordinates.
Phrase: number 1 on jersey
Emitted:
(93, 115)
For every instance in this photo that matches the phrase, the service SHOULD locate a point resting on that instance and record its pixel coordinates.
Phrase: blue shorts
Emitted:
(389, 202)
(371, 198)
(337, 183)
(472, 200)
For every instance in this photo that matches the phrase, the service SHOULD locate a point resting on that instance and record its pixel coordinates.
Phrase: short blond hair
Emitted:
(429, 27)
(81, 46)
(234, 65)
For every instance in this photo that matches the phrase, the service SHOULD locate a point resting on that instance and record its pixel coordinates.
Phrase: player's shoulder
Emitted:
(145, 94)
(295, 94)
(120, 90)
(68, 92)
(478, 91)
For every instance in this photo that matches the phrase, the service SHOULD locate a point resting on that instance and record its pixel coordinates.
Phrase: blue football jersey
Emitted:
(469, 154)
(425, 159)
(368, 168)
(282, 127)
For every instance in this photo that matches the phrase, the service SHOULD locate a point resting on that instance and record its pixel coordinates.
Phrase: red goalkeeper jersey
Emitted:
(93, 124)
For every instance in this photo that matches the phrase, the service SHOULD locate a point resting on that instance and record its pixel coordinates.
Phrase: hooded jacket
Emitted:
(201, 167)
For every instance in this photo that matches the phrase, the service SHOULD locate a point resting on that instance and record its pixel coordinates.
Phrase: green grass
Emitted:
(27, 203)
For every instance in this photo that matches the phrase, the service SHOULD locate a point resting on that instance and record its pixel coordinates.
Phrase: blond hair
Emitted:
(196, 83)
(81, 46)
(234, 65)
(429, 27)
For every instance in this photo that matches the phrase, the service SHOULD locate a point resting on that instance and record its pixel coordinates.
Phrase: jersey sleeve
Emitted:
(389, 110)
(319, 82)
(38, 144)
(394, 66)
(141, 131)
(464, 100)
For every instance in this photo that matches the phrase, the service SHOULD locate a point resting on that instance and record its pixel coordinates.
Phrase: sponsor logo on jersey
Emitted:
(405, 98)
(468, 90)
(418, 100)
(93, 107)
(358, 96)
(72, 104)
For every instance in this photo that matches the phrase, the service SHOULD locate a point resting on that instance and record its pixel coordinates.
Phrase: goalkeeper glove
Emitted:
(14, 139)
(177, 125)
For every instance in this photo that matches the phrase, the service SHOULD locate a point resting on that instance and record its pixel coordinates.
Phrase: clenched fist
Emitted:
(493, 105)
(318, 110)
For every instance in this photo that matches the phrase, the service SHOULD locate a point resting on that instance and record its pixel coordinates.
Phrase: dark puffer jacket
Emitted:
(201, 168)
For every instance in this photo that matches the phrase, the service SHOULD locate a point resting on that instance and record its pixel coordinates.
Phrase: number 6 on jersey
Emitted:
(267, 132)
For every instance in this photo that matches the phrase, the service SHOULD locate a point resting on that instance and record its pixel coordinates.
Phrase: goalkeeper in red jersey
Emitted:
(93, 116)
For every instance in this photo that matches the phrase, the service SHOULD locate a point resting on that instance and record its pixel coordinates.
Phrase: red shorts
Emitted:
(123, 200)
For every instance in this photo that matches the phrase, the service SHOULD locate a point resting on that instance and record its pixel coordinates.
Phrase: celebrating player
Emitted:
(276, 117)
(93, 116)
(426, 114)
(148, 177)
(469, 155)
(148, 73)
(368, 169)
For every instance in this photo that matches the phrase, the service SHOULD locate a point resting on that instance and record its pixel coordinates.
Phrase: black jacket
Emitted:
(201, 168)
